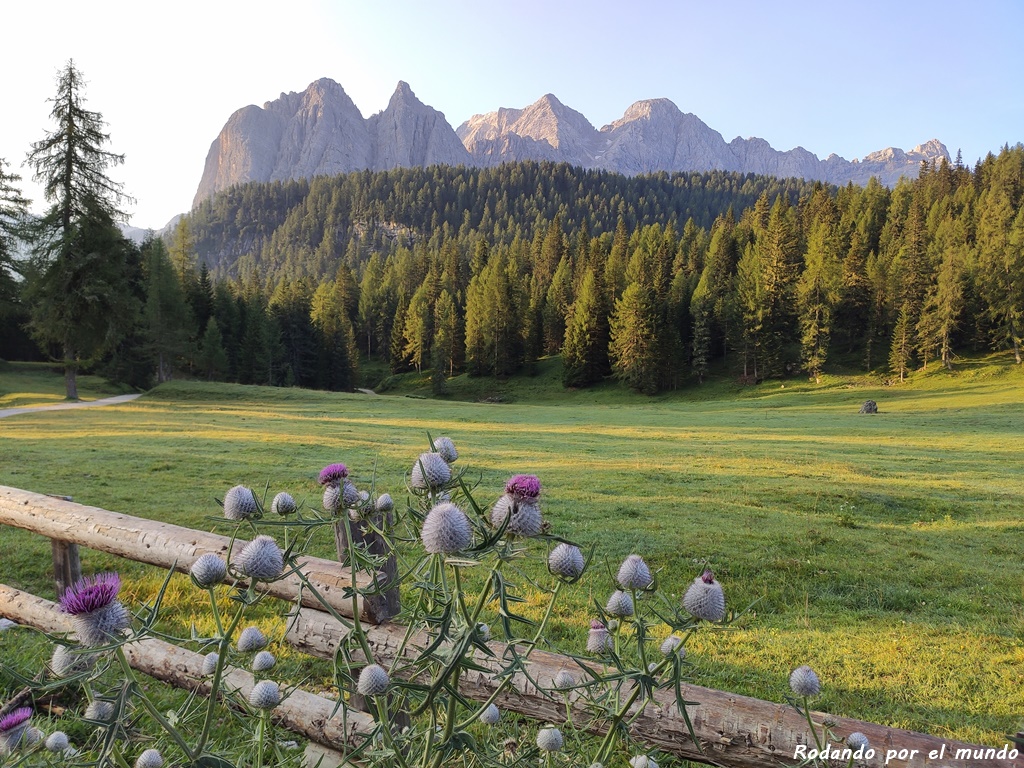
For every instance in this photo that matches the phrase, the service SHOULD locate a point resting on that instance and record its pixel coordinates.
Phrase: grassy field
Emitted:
(884, 551)
(30, 384)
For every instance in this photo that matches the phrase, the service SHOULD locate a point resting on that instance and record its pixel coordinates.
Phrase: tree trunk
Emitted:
(71, 374)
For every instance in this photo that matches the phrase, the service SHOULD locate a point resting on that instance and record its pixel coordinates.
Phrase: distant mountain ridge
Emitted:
(321, 132)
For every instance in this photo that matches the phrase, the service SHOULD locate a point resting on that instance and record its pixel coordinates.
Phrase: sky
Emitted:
(848, 78)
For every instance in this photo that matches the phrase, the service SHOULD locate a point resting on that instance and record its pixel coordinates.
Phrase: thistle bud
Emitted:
(634, 573)
(373, 680)
(705, 599)
(566, 561)
(550, 739)
(265, 695)
(804, 682)
(240, 503)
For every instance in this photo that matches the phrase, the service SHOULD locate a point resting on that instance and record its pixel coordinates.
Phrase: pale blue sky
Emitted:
(849, 78)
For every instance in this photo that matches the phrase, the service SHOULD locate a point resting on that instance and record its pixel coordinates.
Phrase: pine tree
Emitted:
(182, 252)
(166, 312)
(1001, 260)
(371, 302)
(615, 270)
(711, 306)
(556, 306)
(763, 285)
(902, 348)
(72, 163)
(212, 360)
(633, 348)
(290, 307)
(446, 341)
(477, 321)
(585, 352)
(419, 328)
(338, 361)
(84, 302)
(818, 293)
(13, 208)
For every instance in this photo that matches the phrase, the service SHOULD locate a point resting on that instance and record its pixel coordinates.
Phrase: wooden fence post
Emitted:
(383, 606)
(67, 568)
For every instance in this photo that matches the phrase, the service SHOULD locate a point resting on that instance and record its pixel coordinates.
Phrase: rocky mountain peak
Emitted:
(648, 109)
(409, 134)
(403, 95)
(321, 131)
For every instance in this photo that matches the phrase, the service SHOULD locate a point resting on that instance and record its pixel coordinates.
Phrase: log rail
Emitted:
(166, 546)
(734, 731)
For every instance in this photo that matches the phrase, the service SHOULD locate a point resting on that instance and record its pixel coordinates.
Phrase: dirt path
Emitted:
(64, 406)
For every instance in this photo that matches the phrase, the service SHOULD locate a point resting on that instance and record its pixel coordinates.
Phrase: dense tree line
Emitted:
(298, 228)
(651, 279)
(883, 278)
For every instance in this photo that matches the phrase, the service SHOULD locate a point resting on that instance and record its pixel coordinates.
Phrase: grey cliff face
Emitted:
(410, 134)
(321, 132)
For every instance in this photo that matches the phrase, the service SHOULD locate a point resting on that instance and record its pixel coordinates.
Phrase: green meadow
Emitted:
(884, 551)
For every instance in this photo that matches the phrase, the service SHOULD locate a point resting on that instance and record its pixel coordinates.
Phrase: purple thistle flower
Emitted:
(333, 474)
(523, 486)
(18, 717)
(90, 594)
(14, 730)
(99, 617)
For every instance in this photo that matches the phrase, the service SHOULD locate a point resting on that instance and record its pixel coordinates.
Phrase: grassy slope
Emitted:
(30, 384)
(883, 551)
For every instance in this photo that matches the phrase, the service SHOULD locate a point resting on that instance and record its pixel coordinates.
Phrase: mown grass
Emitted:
(882, 550)
(24, 385)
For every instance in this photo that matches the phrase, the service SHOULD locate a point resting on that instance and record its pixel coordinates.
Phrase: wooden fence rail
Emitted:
(166, 546)
(734, 731)
(301, 712)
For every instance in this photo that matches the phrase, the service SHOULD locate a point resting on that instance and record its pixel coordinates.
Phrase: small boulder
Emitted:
(870, 406)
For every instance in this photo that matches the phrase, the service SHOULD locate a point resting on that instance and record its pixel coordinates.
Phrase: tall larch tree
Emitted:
(167, 314)
(819, 291)
(1000, 236)
(585, 351)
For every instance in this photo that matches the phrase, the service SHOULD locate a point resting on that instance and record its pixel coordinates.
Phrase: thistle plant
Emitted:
(464, 566)
(829, 748)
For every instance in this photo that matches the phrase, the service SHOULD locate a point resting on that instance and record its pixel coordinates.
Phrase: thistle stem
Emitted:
(153, 711)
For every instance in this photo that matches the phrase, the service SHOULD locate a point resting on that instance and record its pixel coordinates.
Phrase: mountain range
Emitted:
(321, 132)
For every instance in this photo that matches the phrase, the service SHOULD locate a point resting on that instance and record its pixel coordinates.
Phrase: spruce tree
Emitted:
(1001, 262)
(212, 360)
(818, 294)
(902, 348)
(633, 349)
(72, 251)
(585, 352)
(167, 314)
(13, 208)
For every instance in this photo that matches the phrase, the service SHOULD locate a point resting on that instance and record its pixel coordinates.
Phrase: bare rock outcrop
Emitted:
(321, 132)
(545, 130)
(409, 134)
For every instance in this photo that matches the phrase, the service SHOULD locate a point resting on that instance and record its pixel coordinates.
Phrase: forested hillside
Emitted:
(649, 279)
(301, 228)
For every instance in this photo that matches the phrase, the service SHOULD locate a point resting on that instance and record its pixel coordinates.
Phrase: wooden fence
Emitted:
(736, 731)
